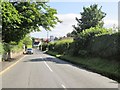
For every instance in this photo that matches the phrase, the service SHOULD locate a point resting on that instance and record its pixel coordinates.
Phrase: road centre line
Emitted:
(11, 66)
(48, 66)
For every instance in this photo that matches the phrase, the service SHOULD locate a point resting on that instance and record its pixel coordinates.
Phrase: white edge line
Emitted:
(63, 86)
(11, 66)
(48, 66)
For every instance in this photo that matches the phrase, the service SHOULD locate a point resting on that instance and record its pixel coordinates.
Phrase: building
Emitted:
(37, 42)
(51, 38)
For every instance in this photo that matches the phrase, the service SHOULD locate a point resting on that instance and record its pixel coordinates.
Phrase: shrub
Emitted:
(60, 46)
(1, 48)
(44, 46)
(97, 43)
(105, 46)
(95, 31)
(83, 39)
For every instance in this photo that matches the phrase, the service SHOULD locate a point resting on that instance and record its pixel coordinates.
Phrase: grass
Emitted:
(105, 67)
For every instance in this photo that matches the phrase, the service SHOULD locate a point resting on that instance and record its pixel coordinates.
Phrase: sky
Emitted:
(67, 11)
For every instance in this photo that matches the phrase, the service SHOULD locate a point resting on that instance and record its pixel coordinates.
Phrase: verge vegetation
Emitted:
(93, 47)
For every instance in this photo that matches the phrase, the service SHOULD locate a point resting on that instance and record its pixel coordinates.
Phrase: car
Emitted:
(29, 51)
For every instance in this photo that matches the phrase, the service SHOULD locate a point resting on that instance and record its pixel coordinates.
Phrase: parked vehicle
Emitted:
(28, 51)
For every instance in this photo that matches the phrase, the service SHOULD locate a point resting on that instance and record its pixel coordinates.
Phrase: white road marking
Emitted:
(63, 86)
(41, 57)
(48, 66)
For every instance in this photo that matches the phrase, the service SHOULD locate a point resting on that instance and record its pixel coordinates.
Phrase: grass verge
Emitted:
(109, 68)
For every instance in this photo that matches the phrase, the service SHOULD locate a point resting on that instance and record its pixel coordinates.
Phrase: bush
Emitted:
(61, 46)
(95, 31)
(105, 46)
(1, 48)
(44, 46)
(83, 40)
(96, 43)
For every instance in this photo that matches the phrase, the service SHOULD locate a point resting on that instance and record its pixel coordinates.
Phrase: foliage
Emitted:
(97, 45)
(44, 46)
(99, 65)
(27, 40)
(61, 46)
(10, 21)
(82, 40)
(107, 46)
(21, 18)
(1, 48)
(90, 17)
(13, 46)
(95, 31)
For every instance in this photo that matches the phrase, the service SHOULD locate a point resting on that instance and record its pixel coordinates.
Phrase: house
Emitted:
(36, 42)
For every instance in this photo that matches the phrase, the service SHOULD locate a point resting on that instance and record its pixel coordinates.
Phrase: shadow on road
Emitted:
(48, 59)
(34, 60)
(59, 61)
(56, 61)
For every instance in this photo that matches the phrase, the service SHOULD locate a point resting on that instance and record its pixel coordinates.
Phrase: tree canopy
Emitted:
(90, 17)
(27, 40)
(21, 18)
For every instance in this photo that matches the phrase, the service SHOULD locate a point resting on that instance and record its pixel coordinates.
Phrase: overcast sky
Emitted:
(67, 11)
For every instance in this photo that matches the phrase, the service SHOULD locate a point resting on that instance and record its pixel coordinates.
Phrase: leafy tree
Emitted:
(56, 38)
(72, 34)
(10, 21)
(90, 17)
(68, 34)
(95, 31)
(21, 18)
(27, 40)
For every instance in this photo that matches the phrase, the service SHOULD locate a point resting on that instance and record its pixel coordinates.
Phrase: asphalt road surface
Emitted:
(44, 71)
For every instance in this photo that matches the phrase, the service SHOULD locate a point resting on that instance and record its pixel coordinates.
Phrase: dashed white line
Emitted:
(41, 57)
(48, 66)
(63, 86)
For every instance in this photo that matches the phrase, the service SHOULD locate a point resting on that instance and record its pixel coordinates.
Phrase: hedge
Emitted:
(105, 46)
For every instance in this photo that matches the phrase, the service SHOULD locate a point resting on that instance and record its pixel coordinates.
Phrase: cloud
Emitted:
(61, 29)
(83, 0)
(65, 27)
(110, 23)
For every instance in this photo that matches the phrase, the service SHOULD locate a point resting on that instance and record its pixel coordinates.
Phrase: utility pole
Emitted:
(47, 40)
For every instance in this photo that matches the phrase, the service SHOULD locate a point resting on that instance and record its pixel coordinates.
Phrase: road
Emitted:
(44, 71)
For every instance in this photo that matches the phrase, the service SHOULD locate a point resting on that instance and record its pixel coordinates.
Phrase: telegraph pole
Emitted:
(47, 39)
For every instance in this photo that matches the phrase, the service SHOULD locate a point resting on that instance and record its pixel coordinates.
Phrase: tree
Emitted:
(27, 40)
(56, 38)
(68, 34)
(21, 18)
(10, 23)
(72, 34)
(90, 17)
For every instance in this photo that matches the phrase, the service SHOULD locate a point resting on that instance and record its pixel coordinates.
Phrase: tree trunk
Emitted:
(9, 54)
